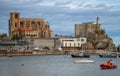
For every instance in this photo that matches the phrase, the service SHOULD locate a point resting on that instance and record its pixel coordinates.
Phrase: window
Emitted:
(15, 25)
(38, 23)
(82, 40)
(33, 23)
(78, 39)
(21, 23)
(46, 26)
(70, 44)
(65, 44)
(16, 15)
(74, 44)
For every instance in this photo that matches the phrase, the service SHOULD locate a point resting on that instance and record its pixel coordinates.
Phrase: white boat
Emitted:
(84, 61)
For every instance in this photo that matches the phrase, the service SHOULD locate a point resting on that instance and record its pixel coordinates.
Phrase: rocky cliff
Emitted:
(99, 40)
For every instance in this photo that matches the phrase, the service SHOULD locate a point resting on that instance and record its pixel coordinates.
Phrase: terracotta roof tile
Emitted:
(25, 28)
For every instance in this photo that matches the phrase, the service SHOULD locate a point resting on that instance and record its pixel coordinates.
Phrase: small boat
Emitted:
(107, 55)
(108, 65)
(105, 66)
(119, 56)
(81, 56)
(10, 56)
(84, 61)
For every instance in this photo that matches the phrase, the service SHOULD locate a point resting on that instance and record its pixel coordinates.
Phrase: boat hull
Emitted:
(105, 66)
(84, 61)
(79, 56)
(107, 56)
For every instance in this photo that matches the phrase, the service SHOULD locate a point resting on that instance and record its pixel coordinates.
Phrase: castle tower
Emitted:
(14, 22)
(98, 23)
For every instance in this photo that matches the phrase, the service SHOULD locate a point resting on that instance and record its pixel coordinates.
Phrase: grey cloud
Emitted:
(103, 5)
(88, 6)
(18, 3)
(81, 4)
(62, 3)
(100, 5)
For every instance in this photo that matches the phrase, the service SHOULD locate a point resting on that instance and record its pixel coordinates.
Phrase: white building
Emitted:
(72, 43)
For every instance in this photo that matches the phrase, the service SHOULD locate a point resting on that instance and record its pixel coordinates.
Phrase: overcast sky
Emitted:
(63, 14)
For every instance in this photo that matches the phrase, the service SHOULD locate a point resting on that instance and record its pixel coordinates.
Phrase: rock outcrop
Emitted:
(100, 41)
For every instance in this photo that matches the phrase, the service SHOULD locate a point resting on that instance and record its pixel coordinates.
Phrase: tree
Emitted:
(3, 37)
(15, 37)
(100, 32)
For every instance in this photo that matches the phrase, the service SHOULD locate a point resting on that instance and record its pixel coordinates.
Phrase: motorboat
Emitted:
(107, 55)
(105, 66)
(108, 65)
(84, 61)
(80, 56)
(119, 56)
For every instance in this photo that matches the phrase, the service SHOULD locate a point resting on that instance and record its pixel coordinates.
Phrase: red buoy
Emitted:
(22, 64)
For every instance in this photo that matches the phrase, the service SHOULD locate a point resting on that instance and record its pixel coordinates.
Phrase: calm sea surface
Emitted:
(53, 65)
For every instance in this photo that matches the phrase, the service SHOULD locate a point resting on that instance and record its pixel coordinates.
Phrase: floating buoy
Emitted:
(22, 64)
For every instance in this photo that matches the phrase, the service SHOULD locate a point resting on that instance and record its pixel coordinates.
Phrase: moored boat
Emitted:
(81, 56)
(119, 56)
(84, 61)
(107, 55)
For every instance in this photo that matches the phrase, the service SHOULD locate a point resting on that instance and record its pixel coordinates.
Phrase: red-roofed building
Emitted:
(28, 27)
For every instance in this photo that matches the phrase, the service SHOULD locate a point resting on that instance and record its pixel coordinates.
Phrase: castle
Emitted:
(85, 29)
(96, 37)
(28, 27)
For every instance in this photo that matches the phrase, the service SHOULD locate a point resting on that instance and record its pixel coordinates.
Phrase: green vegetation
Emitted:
(90, 40)
(15, 37)
(100, 32)
(3, 37)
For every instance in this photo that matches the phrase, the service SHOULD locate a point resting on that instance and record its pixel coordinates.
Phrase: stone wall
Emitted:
(46, 44)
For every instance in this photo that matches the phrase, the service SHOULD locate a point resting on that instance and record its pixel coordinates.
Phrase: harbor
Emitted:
(60, 38)
(54, 65)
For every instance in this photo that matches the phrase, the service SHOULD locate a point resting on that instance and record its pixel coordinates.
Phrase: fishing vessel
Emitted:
(107, 55)
(80, 56)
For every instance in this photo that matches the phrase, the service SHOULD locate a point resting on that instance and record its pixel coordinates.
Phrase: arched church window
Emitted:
(21, 23)
(38, 23)
(33, 23)
(15, 25)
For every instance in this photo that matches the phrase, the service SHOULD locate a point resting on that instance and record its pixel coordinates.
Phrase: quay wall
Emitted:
(51, 53)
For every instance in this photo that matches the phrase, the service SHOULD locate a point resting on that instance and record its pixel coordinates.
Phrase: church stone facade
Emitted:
(28, 27)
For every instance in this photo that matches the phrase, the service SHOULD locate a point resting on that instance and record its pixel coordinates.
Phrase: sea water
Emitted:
(54, 65)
